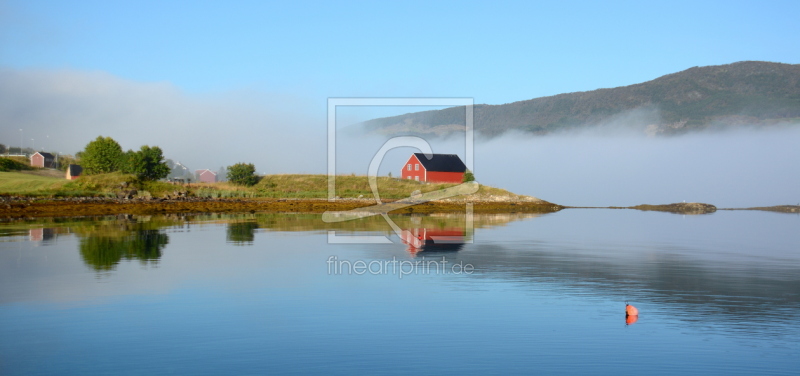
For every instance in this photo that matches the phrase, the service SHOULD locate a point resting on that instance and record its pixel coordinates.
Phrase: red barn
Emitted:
(442, 168)
(206, 176)
(42, 159)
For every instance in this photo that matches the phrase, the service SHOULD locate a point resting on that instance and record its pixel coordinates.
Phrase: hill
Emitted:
(748, 92)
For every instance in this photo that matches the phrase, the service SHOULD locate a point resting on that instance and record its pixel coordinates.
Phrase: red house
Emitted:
(442, 168)
(206, 176)
(74, 171)
(42, 159)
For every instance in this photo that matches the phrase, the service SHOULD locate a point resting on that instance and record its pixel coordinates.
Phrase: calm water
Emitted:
(257, 294)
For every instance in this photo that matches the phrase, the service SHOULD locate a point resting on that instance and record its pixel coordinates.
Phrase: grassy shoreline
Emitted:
(34, 195)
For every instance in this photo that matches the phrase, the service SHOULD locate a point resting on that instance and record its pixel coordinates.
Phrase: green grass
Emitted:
(109, 184)
(316, 186)
(40, 185)
(17, 183)
(270, 186)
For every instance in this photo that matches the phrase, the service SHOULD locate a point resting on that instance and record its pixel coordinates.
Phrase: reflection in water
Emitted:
(242, 233)
(700, 302)
(103, 244)
(430, 240)
(736, 293)
(102, 252)
(731, 290)
(42, 234)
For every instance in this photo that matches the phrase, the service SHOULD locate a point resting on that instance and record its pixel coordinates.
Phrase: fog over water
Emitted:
(611, 164)
(744, 167)
(736, 168)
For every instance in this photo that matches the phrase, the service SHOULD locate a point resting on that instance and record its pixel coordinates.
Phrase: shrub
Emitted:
(468, 176)
(7, 164)
(242, 174)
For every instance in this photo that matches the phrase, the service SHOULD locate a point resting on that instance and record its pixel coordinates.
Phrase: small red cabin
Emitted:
(74, 171)
(206, 176)
(42, 159)
(441, 168)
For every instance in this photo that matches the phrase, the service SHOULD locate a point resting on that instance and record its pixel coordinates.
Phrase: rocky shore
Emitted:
(679, 208)
(777, 208)
(25, 207)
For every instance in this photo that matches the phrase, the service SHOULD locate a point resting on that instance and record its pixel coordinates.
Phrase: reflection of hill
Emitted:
(271, 221)
(313, 222)
(735, 292)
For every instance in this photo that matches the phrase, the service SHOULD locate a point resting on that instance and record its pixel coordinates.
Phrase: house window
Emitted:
(416, 167)
(416, 178)
(408, 177)
(409, 167)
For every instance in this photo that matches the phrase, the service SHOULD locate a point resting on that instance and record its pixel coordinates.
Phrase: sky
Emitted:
(215, 83)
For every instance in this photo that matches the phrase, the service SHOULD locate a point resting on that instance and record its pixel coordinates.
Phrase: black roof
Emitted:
(442, 162)
(46, 155)
(75, 170)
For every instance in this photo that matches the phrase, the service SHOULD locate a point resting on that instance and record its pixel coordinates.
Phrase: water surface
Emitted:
(266, 293)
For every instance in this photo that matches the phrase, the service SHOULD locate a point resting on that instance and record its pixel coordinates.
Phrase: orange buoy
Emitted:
(631, 310)
(631, 319)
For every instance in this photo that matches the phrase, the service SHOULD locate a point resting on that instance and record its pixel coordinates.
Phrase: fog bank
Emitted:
(63, 110)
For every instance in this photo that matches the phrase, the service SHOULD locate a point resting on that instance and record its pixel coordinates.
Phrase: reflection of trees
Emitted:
(242, 233)
(104, 252)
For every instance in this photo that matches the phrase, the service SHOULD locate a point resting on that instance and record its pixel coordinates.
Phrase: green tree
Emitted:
(468, 176)
(101, 156)
(242, 174)
(147, 163)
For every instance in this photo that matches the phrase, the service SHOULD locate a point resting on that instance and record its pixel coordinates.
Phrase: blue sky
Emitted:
(495, 52)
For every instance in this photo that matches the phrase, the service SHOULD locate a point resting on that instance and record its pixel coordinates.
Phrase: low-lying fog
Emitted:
(735, 168)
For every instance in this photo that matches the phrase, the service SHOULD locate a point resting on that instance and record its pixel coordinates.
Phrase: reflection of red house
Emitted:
(430, 239)
(42, 159)
(39, 234)
(206, 176)
(441, 168)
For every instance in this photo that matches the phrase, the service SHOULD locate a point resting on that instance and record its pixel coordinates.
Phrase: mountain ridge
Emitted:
(747, 92)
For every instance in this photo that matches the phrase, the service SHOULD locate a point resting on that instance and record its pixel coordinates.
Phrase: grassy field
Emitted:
(347, 186)
(36, 183)
(19, 183)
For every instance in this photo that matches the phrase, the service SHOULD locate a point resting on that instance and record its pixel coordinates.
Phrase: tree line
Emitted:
(105, 155)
